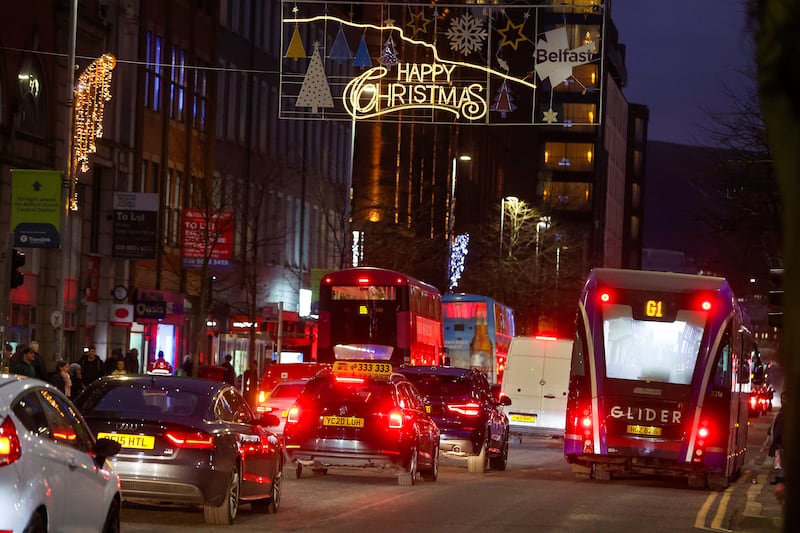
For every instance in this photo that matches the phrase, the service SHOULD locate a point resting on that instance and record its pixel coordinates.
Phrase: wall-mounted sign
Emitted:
(36, 208)
(441, 62)
(207, 237)
(135, 226)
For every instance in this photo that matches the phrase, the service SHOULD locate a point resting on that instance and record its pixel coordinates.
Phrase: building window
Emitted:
(567, 196)
(577, 116)
(200, 100)
(220, 113)
(31, 117)
(583, 81)
(172, 206)
(153, 72)
(177, 88)
(569, 157)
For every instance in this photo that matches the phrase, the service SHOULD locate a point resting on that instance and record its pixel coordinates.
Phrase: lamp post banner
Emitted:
(36, 208)
(441, 62)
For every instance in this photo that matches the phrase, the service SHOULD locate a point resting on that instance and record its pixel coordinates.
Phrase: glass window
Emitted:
(568, 196)
(569, 157)
(649, 350)
(29, 411)
(65, 425)
(153, 71)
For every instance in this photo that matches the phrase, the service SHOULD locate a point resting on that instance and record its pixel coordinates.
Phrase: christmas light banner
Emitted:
(442, 63)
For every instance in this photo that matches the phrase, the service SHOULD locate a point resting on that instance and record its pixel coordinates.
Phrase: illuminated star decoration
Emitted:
(510, 40)
(550, 116)
(419, 23)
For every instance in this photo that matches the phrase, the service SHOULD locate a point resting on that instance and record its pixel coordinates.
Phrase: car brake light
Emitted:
(190, 439)
(293, 416)
(349, 379)
(10, 449)
(262, 396)
(395, 420)
(468, 409)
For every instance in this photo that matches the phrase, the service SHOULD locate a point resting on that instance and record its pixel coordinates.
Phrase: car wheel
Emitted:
(477, 463)
(432, 474)
(501, 460)
(36, 524)
(225, 513)
(112, 518)
(406, 479)
(272, 504)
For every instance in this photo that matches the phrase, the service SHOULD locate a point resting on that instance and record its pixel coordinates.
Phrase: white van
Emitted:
(537, 380)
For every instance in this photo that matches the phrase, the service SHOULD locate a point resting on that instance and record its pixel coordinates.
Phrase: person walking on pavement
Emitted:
(775, 439)
(24, 366)
(92, 366)
(38, 363)
(76, 377)
(61, 378)
(230, 375)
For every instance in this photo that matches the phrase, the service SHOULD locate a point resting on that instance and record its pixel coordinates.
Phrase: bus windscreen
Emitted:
(651, 350)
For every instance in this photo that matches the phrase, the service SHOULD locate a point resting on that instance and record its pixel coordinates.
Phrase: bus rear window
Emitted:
(651, 351)
(365, 292)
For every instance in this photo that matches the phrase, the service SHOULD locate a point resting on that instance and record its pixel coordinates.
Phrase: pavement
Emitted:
(762, 512)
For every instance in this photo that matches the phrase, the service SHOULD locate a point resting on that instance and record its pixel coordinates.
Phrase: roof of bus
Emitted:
(380, 275)
(652, 280)
(467, 297)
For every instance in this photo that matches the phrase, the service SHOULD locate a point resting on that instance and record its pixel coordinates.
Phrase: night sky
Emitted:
(680, 54)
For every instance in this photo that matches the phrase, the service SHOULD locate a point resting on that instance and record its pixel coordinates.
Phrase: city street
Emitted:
(536, 493)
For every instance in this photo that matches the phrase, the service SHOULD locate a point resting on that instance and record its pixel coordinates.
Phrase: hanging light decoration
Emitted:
(91, 93)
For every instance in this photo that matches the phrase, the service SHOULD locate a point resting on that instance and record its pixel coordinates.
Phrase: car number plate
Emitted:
(523, 418)
(140, 442)
(343, 421)
(644, 430)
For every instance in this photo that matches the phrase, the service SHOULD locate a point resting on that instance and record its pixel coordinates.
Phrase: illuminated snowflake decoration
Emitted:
(466, 34)
(458, 256)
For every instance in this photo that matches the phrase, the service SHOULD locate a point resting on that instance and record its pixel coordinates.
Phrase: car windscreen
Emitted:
(440, 386)
(330, 390)
(138, 401)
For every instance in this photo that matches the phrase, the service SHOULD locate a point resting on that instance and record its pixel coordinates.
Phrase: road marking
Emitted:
(700, 520)
(716, 524)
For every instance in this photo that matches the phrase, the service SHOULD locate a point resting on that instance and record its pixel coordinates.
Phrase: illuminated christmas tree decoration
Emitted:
(92, 92)
(296, 49)
(340, 51)
(315, 92)
(458, 257)
(362, 59)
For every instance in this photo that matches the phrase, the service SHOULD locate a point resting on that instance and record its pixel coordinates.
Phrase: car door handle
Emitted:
(552, 396)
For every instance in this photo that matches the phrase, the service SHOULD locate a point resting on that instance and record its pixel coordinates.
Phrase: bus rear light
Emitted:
(705, 305)
(395, 420)
(605, 297)
(702, 432)
(468, 409)
(293, 415)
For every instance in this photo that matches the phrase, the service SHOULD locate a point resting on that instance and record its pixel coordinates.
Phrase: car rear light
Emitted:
(349, 379)
(262, 396)
(10, 449)
(395, 420)
(293, 415)
(466, 409)
(190, 439)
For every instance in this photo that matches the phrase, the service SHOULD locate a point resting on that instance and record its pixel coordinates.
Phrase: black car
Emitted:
(362, 422)
(471, 419)
(187, 441)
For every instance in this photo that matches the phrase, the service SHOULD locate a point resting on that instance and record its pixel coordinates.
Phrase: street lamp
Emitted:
(451, 217)
(511, 200)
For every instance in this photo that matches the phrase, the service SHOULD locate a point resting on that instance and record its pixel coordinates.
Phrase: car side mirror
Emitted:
(105, 448)
(268, 420)
(505, 400)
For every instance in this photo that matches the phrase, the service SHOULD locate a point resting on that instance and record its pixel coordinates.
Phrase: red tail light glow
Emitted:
(293, 416)
(190, 439)
(605, 297)
(10, 449)
(705, 305)
(348, 379)
(703, 433)
(468, 409)
(395, 420)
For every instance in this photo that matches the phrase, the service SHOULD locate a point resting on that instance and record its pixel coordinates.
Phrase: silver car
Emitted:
(187, 441)
(281, 398)
(53, 473)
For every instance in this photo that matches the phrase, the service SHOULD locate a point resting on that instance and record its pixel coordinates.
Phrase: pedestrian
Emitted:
(24, 366)
(230, 374)
(132, 361)
(775, 439)
(61, 378)
(75, 374)
(187, 367)
(5, 364)
(91, 366)
(38, 363)
(111, 361)
(120, 369)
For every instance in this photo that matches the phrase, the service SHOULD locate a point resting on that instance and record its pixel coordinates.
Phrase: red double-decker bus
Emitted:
(375, 314)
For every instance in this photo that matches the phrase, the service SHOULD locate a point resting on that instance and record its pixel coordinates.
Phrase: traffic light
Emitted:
(17, 262)
(775, 298)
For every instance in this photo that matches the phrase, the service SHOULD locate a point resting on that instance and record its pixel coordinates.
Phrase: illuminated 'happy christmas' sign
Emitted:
(417, 86)
(441, 63)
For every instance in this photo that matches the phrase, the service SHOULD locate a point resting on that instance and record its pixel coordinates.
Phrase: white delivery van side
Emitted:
(537, 380)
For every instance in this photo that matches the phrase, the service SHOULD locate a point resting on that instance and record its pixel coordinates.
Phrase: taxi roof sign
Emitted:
(372, 369)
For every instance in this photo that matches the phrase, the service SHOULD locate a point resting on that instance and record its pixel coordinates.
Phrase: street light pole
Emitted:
(452, 213)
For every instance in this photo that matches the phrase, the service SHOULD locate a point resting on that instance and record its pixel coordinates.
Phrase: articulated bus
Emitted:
(658, 364)
(374, 314)
(477, 333)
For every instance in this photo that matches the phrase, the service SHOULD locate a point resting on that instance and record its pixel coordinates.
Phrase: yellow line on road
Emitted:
(700, 519)
(716, 524)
